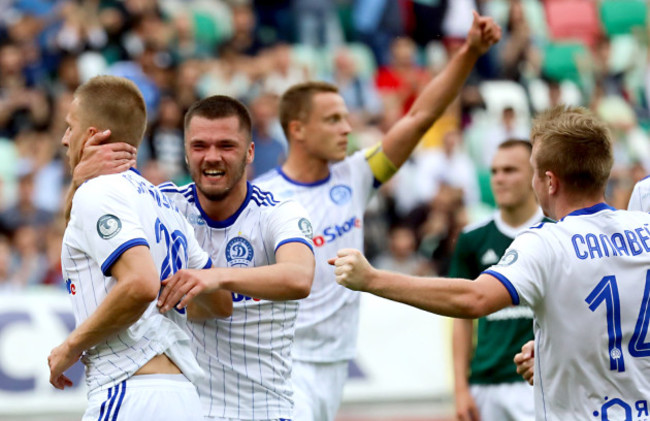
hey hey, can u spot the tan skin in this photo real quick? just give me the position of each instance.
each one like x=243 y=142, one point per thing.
x=511 y=175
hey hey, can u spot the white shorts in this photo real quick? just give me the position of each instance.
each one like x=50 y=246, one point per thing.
x=160 y=397
x=504 y=401
x=317 y=389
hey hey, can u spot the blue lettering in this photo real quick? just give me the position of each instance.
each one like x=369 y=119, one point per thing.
x=574 y=240
x=237 y=297
x=592 y=243
x=604 y=240
x=618 y=402
x=642 y=407
x=635 y=247
x=329 y=235
x=621 y=247
x=644 y=239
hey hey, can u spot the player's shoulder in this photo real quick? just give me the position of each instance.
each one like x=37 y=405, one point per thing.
x=268 y=204
x=183 y=193
x=479 y=226
x=262 y=197
x=269 y=177
x=105 y=186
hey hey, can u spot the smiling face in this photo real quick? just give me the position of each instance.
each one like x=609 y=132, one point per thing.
x=325 y=131
x=218 y=151
x=511 y=176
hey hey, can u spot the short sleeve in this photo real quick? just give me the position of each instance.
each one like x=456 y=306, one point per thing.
x=197 y=257
x=523 y=269
x=290 y=223
x=105 y=219
x=635 y=199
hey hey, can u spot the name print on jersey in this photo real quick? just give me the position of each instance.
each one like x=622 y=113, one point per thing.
x=239 y=252
x=335 y=231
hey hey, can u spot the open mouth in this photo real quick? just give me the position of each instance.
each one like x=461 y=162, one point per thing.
x=214 y=173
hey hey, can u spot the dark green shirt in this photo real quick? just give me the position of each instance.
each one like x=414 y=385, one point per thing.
x=500 y=335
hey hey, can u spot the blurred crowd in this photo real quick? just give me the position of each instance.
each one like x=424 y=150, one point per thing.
x=378 y=52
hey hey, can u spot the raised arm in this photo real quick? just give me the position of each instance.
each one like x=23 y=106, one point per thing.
x=404 y=136
x=445 y=296
x=288 y=279
x=137 y=286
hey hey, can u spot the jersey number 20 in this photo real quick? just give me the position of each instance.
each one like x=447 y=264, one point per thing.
x=176 y=245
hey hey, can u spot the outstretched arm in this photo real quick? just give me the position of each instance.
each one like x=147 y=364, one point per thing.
x=288 y=279
x=448 y=297
x=404 y=136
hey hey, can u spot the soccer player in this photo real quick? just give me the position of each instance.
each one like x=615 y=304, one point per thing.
x=122 y=239
x=490 y=388
x=335 y=191
x=525 y=360
x=586 y=278
x=262 y=252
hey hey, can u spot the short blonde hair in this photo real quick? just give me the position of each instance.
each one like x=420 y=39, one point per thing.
x=576 y=146
x=115 y=103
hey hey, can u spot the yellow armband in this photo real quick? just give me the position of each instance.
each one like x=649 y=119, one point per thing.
x=382 y=168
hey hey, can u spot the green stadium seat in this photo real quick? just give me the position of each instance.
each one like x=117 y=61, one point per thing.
x=621 y=16
x=561 y=61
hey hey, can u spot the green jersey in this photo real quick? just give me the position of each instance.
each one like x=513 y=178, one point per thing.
x=500 y=335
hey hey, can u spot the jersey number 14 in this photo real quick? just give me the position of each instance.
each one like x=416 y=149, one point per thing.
x=607 y=292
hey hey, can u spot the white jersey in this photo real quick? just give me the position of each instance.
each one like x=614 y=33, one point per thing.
x=111 y=214
x=640 y=199
x=587 y=279
x=248 y=355
x=327 y=325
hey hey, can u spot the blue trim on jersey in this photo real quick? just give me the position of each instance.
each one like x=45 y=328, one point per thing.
x=232 y=218
x=110 y=404
x=647 y=176
x=538 y=226
x=295 y=240
x=298 y=183
x=208 y=264
x=101 y=408
x=119 y=402
x=590 y=210
x=514 y=295
x=135 y=171
x=263 y=198
x=110 y=260
x=376 y=183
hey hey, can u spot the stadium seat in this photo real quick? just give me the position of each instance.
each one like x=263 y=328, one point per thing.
x=364 y=58
x=503 y=93
x=561 y=61
x=621 y=16
x=575 y=20
x=311 y=58
x=539 y=95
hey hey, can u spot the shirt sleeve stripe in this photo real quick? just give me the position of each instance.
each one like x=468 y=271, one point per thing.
x=295 y=240
x=208 y=264
x=110 y=260
x=514 y=295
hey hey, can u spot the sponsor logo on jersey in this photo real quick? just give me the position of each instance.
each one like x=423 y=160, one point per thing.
x=241 y=297
x=333 y=232
x=72 y=290
x=341 y=194
x=509 y=258
x=195 y=219
x=306 y=228
x=239 y=252
x=108 y=226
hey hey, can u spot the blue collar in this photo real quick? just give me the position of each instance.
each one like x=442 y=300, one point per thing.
x=298 y=183
x=135 y=171
x=228 y=221
x=590 y=210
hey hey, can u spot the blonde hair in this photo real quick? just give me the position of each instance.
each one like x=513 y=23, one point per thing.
x=576 y=146
x=296 y=102
x=115 y=103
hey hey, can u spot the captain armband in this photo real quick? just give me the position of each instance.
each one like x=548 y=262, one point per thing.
x=382 y=168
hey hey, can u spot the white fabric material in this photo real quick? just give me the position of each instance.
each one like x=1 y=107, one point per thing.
x=327 y=325
x=640 y=199
x=318 y=389
x=587 y=280
x=248 y=355
x=111 y=214
x=504 y=401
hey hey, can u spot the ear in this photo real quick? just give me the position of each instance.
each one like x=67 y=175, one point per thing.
x=250 y=153
x=296 y=130
x=552 y=182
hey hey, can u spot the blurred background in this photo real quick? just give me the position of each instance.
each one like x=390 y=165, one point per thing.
x=379 y=53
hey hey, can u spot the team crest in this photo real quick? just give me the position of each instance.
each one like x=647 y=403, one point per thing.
x=108 y=226
x=509 y=258
x=239 y=252
x=306 y=228
x=341 y=194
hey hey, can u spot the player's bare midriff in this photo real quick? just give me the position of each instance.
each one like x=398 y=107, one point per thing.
x=160 y=364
